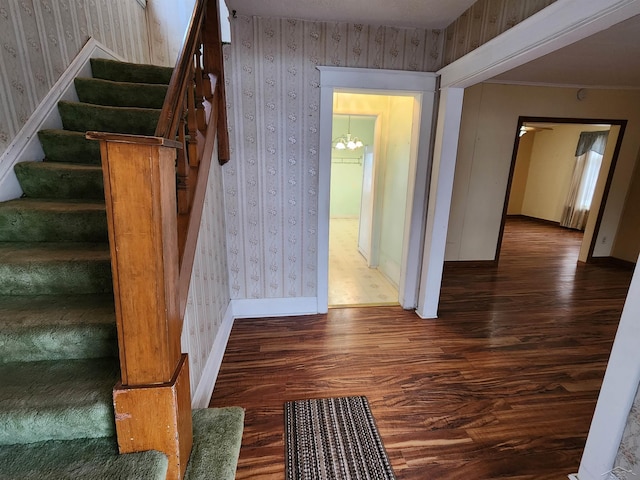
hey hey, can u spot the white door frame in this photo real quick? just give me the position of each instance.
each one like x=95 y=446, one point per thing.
x=383 y=82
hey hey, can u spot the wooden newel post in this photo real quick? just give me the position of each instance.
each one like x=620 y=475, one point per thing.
x=152 y=402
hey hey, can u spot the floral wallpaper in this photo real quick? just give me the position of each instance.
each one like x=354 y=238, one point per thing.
x=209 y=288
x=40 y=38
x=485 y=20
x=627 y=464
x=273 y=98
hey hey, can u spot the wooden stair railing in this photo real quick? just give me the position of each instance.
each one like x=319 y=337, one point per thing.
x=154 y=192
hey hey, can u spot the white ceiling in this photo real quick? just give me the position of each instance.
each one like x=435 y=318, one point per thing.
x=608 y=59
x=429 y=14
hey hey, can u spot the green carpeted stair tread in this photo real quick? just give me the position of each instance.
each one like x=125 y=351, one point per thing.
x=38 y=220
x=130 y=72
x=48 y=268
x=51 y=327
x=69 y=147
x=217 y=436
x=120 y=94
x=83 y=459
x=57 y=400
x=60 y=180
x=83 y=117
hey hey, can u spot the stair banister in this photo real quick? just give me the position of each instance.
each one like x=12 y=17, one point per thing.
x=154 y=192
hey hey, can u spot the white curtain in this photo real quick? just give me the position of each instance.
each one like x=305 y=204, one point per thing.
x=589 y=154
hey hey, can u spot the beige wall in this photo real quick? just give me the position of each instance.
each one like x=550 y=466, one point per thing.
x=488 y=128
x=39 y=40
x=396 y=172
x=627 y=244
x=551 y=169
x=520 y=174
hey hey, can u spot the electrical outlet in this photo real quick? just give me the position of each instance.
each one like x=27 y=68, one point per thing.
x=604 y=240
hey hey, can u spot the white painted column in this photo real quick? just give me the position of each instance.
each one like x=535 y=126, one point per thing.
x=444 y=163
x=617 y=393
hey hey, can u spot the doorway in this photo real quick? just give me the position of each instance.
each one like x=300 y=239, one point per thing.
x=544 y=170
x=372 y=152
x=420 y=88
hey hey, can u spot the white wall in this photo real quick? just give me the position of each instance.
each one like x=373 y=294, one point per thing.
x=168 y=23
x=488 y=129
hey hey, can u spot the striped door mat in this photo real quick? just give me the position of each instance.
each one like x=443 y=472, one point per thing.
x=333 y=438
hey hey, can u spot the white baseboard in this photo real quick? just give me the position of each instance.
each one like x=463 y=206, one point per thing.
x=204 y=390
x=26 y=146
x=274 y=307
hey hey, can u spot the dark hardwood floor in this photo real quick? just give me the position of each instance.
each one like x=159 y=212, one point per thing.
x=501 y=386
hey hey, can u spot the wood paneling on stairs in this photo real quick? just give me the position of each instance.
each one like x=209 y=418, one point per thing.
x=502 y=385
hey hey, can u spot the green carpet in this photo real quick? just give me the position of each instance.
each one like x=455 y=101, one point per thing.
x=217 y=435
x=58 y=341
x=85 y=459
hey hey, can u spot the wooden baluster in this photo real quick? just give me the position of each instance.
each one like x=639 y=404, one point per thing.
x=201 y=83
x=182 y=169
x=192 y=125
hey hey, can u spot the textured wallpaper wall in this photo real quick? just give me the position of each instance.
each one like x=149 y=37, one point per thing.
x=485 y=20
x=273 y=98
x=209 y=290
x=628 y=458
x=40 y=38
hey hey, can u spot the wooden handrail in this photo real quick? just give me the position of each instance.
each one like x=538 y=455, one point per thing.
x=154 y=192
x=173 y=104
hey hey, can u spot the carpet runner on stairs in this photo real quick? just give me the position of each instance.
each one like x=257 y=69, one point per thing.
x=58 y=350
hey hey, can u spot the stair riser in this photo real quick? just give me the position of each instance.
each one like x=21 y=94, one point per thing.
x=90 y=421
x=104 y=92
x=82 y=117
x=72 y=147
x=129 y=72
x=56 y=278
x=42 y=181
x=48 y=343
x=53 y=226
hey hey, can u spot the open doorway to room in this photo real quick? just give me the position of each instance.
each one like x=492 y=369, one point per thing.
x=372 y=152
x=560 y=175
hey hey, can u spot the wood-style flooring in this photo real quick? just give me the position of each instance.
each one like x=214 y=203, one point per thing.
x=501 y=386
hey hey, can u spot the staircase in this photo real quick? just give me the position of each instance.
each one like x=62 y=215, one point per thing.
x=58 y=342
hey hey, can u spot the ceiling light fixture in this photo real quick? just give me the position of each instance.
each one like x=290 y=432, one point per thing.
x=347 y=142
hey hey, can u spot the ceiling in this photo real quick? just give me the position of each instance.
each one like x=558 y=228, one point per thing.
x=429 y=14
x=608 y=59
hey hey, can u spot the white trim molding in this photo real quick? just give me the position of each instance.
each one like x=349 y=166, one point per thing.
x=440 y=194
x=202 y=395
x=421 y=85
x=618 y=391
x=273 y=307
x=26 y=146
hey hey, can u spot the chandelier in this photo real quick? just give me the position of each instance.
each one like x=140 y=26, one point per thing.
x=347 y=141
